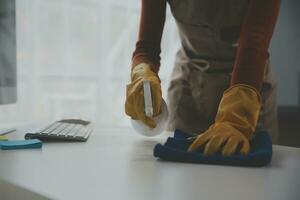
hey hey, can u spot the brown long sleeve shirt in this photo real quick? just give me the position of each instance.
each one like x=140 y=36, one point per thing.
x=254 y=39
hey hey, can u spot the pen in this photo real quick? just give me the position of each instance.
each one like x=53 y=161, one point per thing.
x=6 y=131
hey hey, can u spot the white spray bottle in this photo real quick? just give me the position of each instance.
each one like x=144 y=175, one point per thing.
x=160 y=120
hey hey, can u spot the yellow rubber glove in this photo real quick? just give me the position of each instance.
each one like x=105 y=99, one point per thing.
x=234 y=125
x=134 y=105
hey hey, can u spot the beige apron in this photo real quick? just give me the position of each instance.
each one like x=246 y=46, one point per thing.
x=209 y=30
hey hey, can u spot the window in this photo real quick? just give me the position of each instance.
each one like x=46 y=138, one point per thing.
x=74 y=58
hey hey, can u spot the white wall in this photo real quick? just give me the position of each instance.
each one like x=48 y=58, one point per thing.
x=285 y=53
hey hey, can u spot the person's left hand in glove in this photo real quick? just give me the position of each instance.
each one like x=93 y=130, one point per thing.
x=234 y=125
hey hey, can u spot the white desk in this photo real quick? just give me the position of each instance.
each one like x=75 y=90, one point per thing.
x=118 y=164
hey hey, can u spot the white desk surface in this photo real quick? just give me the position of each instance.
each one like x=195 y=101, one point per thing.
x=118 y=164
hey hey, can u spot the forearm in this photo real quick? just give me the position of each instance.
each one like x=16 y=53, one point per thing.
x=150 y=32
x=254 y=41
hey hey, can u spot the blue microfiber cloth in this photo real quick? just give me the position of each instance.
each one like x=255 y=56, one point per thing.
x=175 y=149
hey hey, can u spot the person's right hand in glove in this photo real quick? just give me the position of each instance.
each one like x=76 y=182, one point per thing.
x=134 y=105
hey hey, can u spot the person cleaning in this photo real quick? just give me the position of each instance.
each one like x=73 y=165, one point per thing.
x=222 y=89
